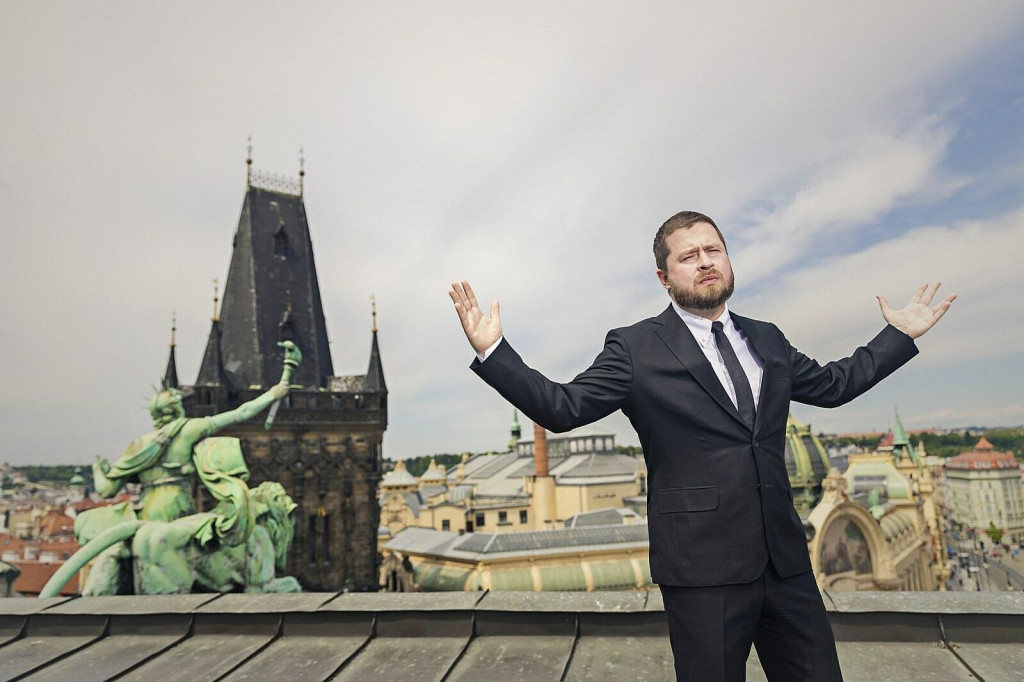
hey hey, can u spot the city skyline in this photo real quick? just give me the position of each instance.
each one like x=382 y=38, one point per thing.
x=533 y=150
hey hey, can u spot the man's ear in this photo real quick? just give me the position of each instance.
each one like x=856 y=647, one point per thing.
x=662 y=277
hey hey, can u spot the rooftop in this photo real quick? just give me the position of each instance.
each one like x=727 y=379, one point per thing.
x=983 y=456
x=472 y=636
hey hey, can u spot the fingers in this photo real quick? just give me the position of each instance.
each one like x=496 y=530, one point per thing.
x=929 y=293
x=460 y=309
x=458 y=294
x=469 y=293
x=463 y=293
x=883 y=303
x=916 y=298
x=940 y=310
x=495 y=311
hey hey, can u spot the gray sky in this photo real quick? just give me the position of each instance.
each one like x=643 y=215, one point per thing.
x=532 y=148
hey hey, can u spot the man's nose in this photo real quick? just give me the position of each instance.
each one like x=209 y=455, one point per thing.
x=703 y=260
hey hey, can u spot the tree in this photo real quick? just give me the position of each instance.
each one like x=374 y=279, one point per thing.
x=994 y=532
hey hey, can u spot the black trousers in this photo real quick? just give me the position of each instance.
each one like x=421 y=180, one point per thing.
x=712 y=628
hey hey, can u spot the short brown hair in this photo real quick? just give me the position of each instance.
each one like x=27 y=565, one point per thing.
x=680 y=221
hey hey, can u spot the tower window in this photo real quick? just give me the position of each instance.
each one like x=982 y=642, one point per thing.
x=327 y=537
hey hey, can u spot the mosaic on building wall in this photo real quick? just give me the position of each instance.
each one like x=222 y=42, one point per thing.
x=844 y=548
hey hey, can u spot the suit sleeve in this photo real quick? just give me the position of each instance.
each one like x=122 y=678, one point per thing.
x=595 y=393
x=839 y=382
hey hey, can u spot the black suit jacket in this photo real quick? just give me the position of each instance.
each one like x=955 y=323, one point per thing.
x=719 y=502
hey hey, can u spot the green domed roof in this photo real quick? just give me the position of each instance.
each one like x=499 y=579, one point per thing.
x=77 y=481
x=806 y=462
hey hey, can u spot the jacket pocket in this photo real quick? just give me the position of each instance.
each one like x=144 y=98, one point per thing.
x=672 y=500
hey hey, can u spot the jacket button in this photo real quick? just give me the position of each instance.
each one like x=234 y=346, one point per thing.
x=755 y=443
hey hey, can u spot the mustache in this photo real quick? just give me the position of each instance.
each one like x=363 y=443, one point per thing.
x=716 y=272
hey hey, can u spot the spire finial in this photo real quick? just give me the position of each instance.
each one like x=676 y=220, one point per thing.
x=216 y=299
x=174 y=326
x=373 y=308
x=302 y=171
x=248 y=163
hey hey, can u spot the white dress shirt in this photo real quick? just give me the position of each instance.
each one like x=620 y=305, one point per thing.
x=752 y=365
x=700 y=327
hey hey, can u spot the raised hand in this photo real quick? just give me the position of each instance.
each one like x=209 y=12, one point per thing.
x=481 y=331
x=917 y=317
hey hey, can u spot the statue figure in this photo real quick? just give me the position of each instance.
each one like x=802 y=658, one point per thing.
x=163 y=462
x=183 y=556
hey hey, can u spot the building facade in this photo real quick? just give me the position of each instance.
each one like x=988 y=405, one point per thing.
x=983 y=488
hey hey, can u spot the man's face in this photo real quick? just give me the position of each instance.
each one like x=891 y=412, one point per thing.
x=699 y=274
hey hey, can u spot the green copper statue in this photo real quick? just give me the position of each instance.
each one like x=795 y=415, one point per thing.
x=178 y=557
x=163 y=462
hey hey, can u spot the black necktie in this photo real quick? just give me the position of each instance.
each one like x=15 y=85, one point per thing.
x=744 y=396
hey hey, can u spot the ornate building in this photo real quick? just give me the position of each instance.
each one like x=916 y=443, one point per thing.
x=325 y=444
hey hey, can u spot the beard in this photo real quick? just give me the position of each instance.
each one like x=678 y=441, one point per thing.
x=708 y=299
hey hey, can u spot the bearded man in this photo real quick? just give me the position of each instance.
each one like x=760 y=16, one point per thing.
x=708 y=393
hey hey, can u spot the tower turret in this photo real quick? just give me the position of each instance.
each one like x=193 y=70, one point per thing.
x=375 y=372
x=171 y=372
x=516 y=432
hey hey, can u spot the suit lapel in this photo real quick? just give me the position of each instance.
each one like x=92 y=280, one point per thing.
x=675 y=334
x=753 y=333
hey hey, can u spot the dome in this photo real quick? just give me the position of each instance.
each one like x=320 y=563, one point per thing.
x=77 y=481
x=893 y=525
x=433 y=474
x=398 y=477
x=806 y=463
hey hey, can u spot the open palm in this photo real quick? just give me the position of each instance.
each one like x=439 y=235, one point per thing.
x=481 y=331
x=917 y=317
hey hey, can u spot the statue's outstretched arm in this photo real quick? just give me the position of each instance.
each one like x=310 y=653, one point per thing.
x=292 y=359
x=104 y=486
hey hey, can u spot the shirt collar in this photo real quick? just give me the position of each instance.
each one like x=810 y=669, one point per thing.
x=699 y=326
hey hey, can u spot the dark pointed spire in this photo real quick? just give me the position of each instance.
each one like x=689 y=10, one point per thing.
x=272 y=267
x=302 y=172
x=375 y=373
x=171 y=373
x=211 y=371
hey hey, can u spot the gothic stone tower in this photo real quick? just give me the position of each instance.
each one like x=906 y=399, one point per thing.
x=325 y=443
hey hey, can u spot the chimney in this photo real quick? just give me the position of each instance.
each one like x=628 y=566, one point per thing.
x=543 y=503
x=540 y=450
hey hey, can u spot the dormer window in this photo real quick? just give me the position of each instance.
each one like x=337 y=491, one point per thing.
x=280 y=240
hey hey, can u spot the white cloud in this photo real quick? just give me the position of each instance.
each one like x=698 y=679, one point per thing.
x=877 y=174
x=831 y=304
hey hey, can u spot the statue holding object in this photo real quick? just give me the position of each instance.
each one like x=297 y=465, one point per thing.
x=170 y=557
x=163 y=462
